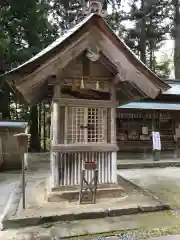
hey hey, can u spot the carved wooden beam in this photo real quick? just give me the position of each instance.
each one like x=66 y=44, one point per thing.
x=85 y=93
x=56 y=63
x=107 y=63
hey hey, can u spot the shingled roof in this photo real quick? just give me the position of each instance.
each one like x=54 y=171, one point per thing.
x=15 y=76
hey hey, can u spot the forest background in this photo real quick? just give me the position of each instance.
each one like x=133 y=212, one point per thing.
x=151 y=28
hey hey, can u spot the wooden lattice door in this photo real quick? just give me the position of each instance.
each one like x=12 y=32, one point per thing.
x=87 y=125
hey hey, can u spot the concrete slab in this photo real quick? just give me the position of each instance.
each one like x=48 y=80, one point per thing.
x=83 y=229
x=163 y=183
x=7 y=183
x=146 y=163
x=39 y=211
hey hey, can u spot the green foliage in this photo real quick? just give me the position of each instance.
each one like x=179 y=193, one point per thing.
x=28 y=26
x=163 y=67
x=25 y=29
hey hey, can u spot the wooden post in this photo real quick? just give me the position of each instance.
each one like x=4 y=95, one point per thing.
x=22 y=139
x=55 y=120
x=88 y=187
x=113 y=133
x=155 y=128
x=113 y=115
x=174 y=135
x=144 y=142
x=54 y=155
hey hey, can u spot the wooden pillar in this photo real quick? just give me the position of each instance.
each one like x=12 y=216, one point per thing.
x=175 y=120
x=144 y=142
x=155 y=128
x=55 y=123
x=26 y=154
x=113 y=134
x=174 y=134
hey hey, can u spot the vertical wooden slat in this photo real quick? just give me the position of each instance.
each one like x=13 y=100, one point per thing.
x=75 y=168
x=74 y=162
x=99 y=168
x=104 y=161
x=86 y=172
x=65 y=168
x=114 y=167
x=44 y=127
x=60 y=169
x=109 y=167
x=66 y=126
x=106 y=166
x=105 y=125
x=92 y=160
x=102 y=167
x=68 y=169
x=82 y=161
x=78 y=167
x=85 y=124
x=62 y=126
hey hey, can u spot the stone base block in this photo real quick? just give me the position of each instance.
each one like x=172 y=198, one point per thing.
x=71 y=194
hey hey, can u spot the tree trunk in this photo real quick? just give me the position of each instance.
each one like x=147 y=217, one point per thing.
x=35 y=145
x=176 y=39
x=4 y=103
x=151 y=55
x=4 y=91
x=142 y=42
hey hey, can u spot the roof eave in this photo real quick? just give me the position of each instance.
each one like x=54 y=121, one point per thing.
x=50 y=49
x=102 y=24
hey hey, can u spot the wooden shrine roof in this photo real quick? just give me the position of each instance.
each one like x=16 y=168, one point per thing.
x=155 y=105
x=138 y=73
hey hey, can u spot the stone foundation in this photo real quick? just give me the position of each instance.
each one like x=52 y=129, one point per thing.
x=71 y=193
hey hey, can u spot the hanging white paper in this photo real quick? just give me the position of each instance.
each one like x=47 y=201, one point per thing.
x=156 y=140
x=177 y=132
x=145 y=130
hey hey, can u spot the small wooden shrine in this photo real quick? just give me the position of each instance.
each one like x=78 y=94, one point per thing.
x=86 y=74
